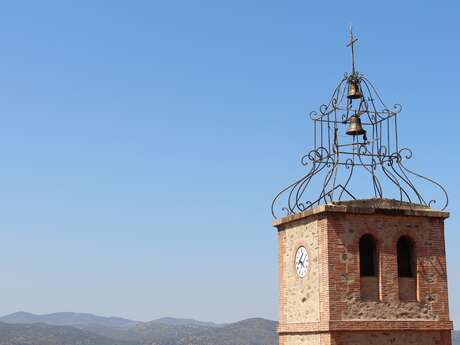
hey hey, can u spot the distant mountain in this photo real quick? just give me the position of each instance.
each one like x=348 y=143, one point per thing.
x=67 y=319
x=87 y=329
x=456 y=338
x=42 y=334
x=184 y=322
x=250 y=332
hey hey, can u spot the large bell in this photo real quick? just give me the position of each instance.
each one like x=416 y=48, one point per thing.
x=354 y=91
x=355 y=127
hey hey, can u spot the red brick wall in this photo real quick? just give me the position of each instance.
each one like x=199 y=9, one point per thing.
x=324 y=287
x=388 y=338
x=344 y=232
x=370 y=289
x=407 y=289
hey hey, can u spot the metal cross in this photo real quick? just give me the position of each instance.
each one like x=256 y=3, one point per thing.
x=351 y=44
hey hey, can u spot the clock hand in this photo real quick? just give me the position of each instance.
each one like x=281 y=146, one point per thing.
x=304 y=263
x=301 y=259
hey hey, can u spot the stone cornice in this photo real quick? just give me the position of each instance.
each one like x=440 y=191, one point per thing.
x=362 y=325
x=369 y=206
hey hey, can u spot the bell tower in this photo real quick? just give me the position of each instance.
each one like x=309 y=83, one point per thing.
x=369 y=270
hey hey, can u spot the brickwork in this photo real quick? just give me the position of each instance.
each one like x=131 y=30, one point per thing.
x=385 y=338
x=324 y=290
x=407 y=289
x=362 y=325
x=333 y=305
x=370 y=289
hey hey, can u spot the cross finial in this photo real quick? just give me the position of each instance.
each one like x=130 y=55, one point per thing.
x=351 y=44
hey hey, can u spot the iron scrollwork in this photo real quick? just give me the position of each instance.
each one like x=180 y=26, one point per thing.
x=336 y=158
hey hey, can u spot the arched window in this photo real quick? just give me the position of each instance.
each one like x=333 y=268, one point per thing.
x=368 y=268
x=367 y=256
x=406 y=257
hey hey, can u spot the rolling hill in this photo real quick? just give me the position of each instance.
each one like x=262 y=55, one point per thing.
x=86 y=329
x=67 y=319
x=42 y=334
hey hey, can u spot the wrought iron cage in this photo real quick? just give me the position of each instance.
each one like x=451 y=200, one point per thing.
x=354 y=131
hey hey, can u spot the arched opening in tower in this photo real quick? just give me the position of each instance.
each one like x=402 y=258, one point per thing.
x=368 y=268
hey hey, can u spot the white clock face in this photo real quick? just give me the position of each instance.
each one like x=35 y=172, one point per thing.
x=301 y=262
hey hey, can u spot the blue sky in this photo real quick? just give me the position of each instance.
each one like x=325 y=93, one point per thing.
x=141 y=142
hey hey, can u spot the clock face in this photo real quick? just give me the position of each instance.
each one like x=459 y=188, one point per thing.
x=301 y=262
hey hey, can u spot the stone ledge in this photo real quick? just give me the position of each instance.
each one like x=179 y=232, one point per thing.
x=360 y=325
x=366 y=206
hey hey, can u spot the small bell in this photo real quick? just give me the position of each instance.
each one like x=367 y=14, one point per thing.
x=355 y=127
x=354 y=91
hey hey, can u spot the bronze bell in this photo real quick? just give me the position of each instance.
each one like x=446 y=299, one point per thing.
x=355 y=127
x=354 y=91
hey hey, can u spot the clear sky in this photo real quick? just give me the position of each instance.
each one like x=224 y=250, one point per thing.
x=141 y=142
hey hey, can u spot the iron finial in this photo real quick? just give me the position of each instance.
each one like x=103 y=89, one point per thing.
x=351 y=44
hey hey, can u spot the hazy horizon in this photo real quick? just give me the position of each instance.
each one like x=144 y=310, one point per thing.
x=142 y=142
x=123 y=317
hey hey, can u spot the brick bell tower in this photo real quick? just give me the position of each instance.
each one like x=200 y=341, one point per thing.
x=366 y=271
